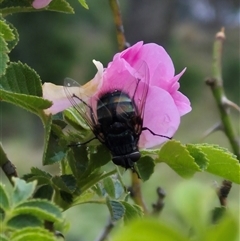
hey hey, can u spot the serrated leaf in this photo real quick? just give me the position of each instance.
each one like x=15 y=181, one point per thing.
x=6 y=31
x=10 y=7
x=42 y=209
x=176 y=155
x=66 y=196
x=119 y=190
x=109 y=186
x=4 y=200
x=22 y=190
x=60 y=6
x=30 y=234
x=41 y=176
x=66 y=183
x=131 y=211
x=148 y=229
x=78 y=161
x=44 y=192
x=4 y=59
x=199 y=156
x=53 y=151
x=145 y=167
x=22 y=86
x=72 y=117
x=100 y=157
x=12 y=42
x=83 y=197
x=83 y=3
x=24 y=221
x=116 y=209
x=221 y=162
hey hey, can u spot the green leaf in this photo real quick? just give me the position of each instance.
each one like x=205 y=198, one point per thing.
x=60 y=6
x=193 y=202
x=77 y=157
x=145 y=167
x=24 y=221
x=199 y=156
x=4 y=200
x=42 y=209
x=83 y=3
x=44 y=192
x=176 y=155
x=148 y=229
x=12 y=42
x=218 y=213
x=6 y=31
x=22 y=86
x=221 y=162
x=10 y=7
x=226 y=229
x=131 y=211
x=4 y=59
x=100 y=157
x=30 y=234
x=53 y=150
x=116 y=209
x=22 y=190
x=66 y=183
x=83 y=197
x=109 y=186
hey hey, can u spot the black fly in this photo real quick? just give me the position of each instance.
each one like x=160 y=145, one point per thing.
x=115 y=118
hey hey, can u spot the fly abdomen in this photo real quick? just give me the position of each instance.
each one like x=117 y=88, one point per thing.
x=122 y=144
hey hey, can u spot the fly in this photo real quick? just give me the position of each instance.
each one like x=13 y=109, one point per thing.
x=115 y=118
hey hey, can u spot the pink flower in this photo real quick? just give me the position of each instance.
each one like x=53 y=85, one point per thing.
x=164 y=104
x=37 y=4
x=57 y=95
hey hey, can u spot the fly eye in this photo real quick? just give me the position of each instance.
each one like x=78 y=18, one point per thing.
x=135 y=156
x=118 y=160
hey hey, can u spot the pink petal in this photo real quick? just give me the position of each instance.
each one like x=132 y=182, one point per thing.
x=57 y=95
x=161 y=116
x=154 y=55
x=182 y=102
x=37 y=4
x=118 y=76
x=169 y=85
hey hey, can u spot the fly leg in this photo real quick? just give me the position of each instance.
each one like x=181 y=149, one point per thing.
x=147 y=129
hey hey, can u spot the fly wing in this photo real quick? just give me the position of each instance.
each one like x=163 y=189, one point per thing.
x=141 y=92
x=137 y=90
x=80 y=102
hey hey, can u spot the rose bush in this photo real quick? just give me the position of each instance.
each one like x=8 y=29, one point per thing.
x=164 y=104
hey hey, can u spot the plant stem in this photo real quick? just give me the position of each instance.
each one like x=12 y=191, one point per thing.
x=122 y=44
x=136 y=192
x=216 y=84
x=106 y=231
x=8 y=168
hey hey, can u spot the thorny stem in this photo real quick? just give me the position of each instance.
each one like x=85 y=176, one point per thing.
x=122 y=44
x=216 y=84
x=136 y=193
x=8 y=168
